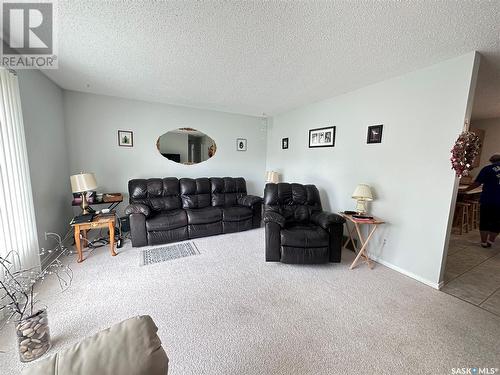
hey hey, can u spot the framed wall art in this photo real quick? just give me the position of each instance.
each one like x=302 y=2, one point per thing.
x=284 y=143
x=374 y=134
x=322 y=137
x=125 y=138
x=241 y=144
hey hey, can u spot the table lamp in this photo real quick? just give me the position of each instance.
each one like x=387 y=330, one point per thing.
x=272 y=177
x=362 y=194
x=82 y=183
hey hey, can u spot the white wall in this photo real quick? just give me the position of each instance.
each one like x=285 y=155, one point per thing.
x=491 y=143
x=43 y=115
x=422 y=113
x=92 y=122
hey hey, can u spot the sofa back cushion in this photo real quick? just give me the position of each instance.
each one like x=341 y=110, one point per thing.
x=161 y=194
x=295 y=202
x=195 y=192
x=227 y=190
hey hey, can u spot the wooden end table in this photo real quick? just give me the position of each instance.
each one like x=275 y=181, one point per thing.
x=356 y=229
x=98 y=222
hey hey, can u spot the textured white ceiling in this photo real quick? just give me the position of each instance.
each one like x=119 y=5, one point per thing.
x=257 y=57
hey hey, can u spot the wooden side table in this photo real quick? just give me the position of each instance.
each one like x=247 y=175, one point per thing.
x=98 y=222
x=355 y=228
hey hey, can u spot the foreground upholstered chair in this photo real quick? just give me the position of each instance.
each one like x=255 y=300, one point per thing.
x=127 y=348
x=297 y=228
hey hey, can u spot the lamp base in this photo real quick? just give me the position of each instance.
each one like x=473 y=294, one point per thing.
x=361 y=207
x=84 y=205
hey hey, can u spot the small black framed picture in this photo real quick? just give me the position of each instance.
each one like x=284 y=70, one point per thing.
x=322 y=137
x=284 y=143
x=374 y=134
x=125 y=138
x=241 y=144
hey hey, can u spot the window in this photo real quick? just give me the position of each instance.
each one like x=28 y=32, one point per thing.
x=17 y=216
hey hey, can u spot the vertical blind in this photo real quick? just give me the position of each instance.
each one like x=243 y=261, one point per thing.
x=17 y=214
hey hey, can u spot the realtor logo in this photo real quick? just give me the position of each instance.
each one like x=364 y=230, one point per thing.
x=28 y=35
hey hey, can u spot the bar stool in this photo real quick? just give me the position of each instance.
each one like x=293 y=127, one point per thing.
x=473 y=214
x=462 y=210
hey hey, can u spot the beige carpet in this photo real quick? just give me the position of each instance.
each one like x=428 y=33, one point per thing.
x=226 y=311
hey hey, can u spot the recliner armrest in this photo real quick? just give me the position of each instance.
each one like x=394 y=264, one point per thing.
x=274 y=217
x=324 y=219
x=138 y=208
x=249 y=200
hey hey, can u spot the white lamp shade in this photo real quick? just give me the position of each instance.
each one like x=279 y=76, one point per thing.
x=272 y=176
x=363 y=192
x=83 y=182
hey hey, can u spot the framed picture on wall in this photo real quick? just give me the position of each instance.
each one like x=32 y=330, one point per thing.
x=374 y=134
x=125 y=138
x=322 y=137
x=241 y=144
x=284 y=143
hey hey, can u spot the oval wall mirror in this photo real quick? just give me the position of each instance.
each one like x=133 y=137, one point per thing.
x=186 y=146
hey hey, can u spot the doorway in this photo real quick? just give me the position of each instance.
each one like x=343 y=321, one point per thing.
x=194 y=147
x=472 y=271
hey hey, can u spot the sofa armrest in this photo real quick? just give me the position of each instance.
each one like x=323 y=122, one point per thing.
x=249 y=200
x=325 y=219
x=274 y=217
x=137 y=208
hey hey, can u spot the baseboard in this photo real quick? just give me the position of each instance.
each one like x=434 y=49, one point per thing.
x=407 y=273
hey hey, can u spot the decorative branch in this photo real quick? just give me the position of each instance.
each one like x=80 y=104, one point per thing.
x=17 y=286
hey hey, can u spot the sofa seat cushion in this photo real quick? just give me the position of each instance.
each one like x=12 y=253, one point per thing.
x=304 y=235
x=205 y=215
x=236 y=213
x=166 y=220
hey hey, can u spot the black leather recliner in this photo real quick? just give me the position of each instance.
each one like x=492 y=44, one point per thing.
x=169 y=210
x=297 y=229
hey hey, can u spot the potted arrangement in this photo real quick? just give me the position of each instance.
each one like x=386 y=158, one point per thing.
x=18 y=299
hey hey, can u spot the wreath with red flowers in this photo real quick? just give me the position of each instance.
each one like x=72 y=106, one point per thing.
x=464 y=152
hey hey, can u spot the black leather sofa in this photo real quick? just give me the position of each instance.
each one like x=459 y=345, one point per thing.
x=297 y=229
x=169 y=210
